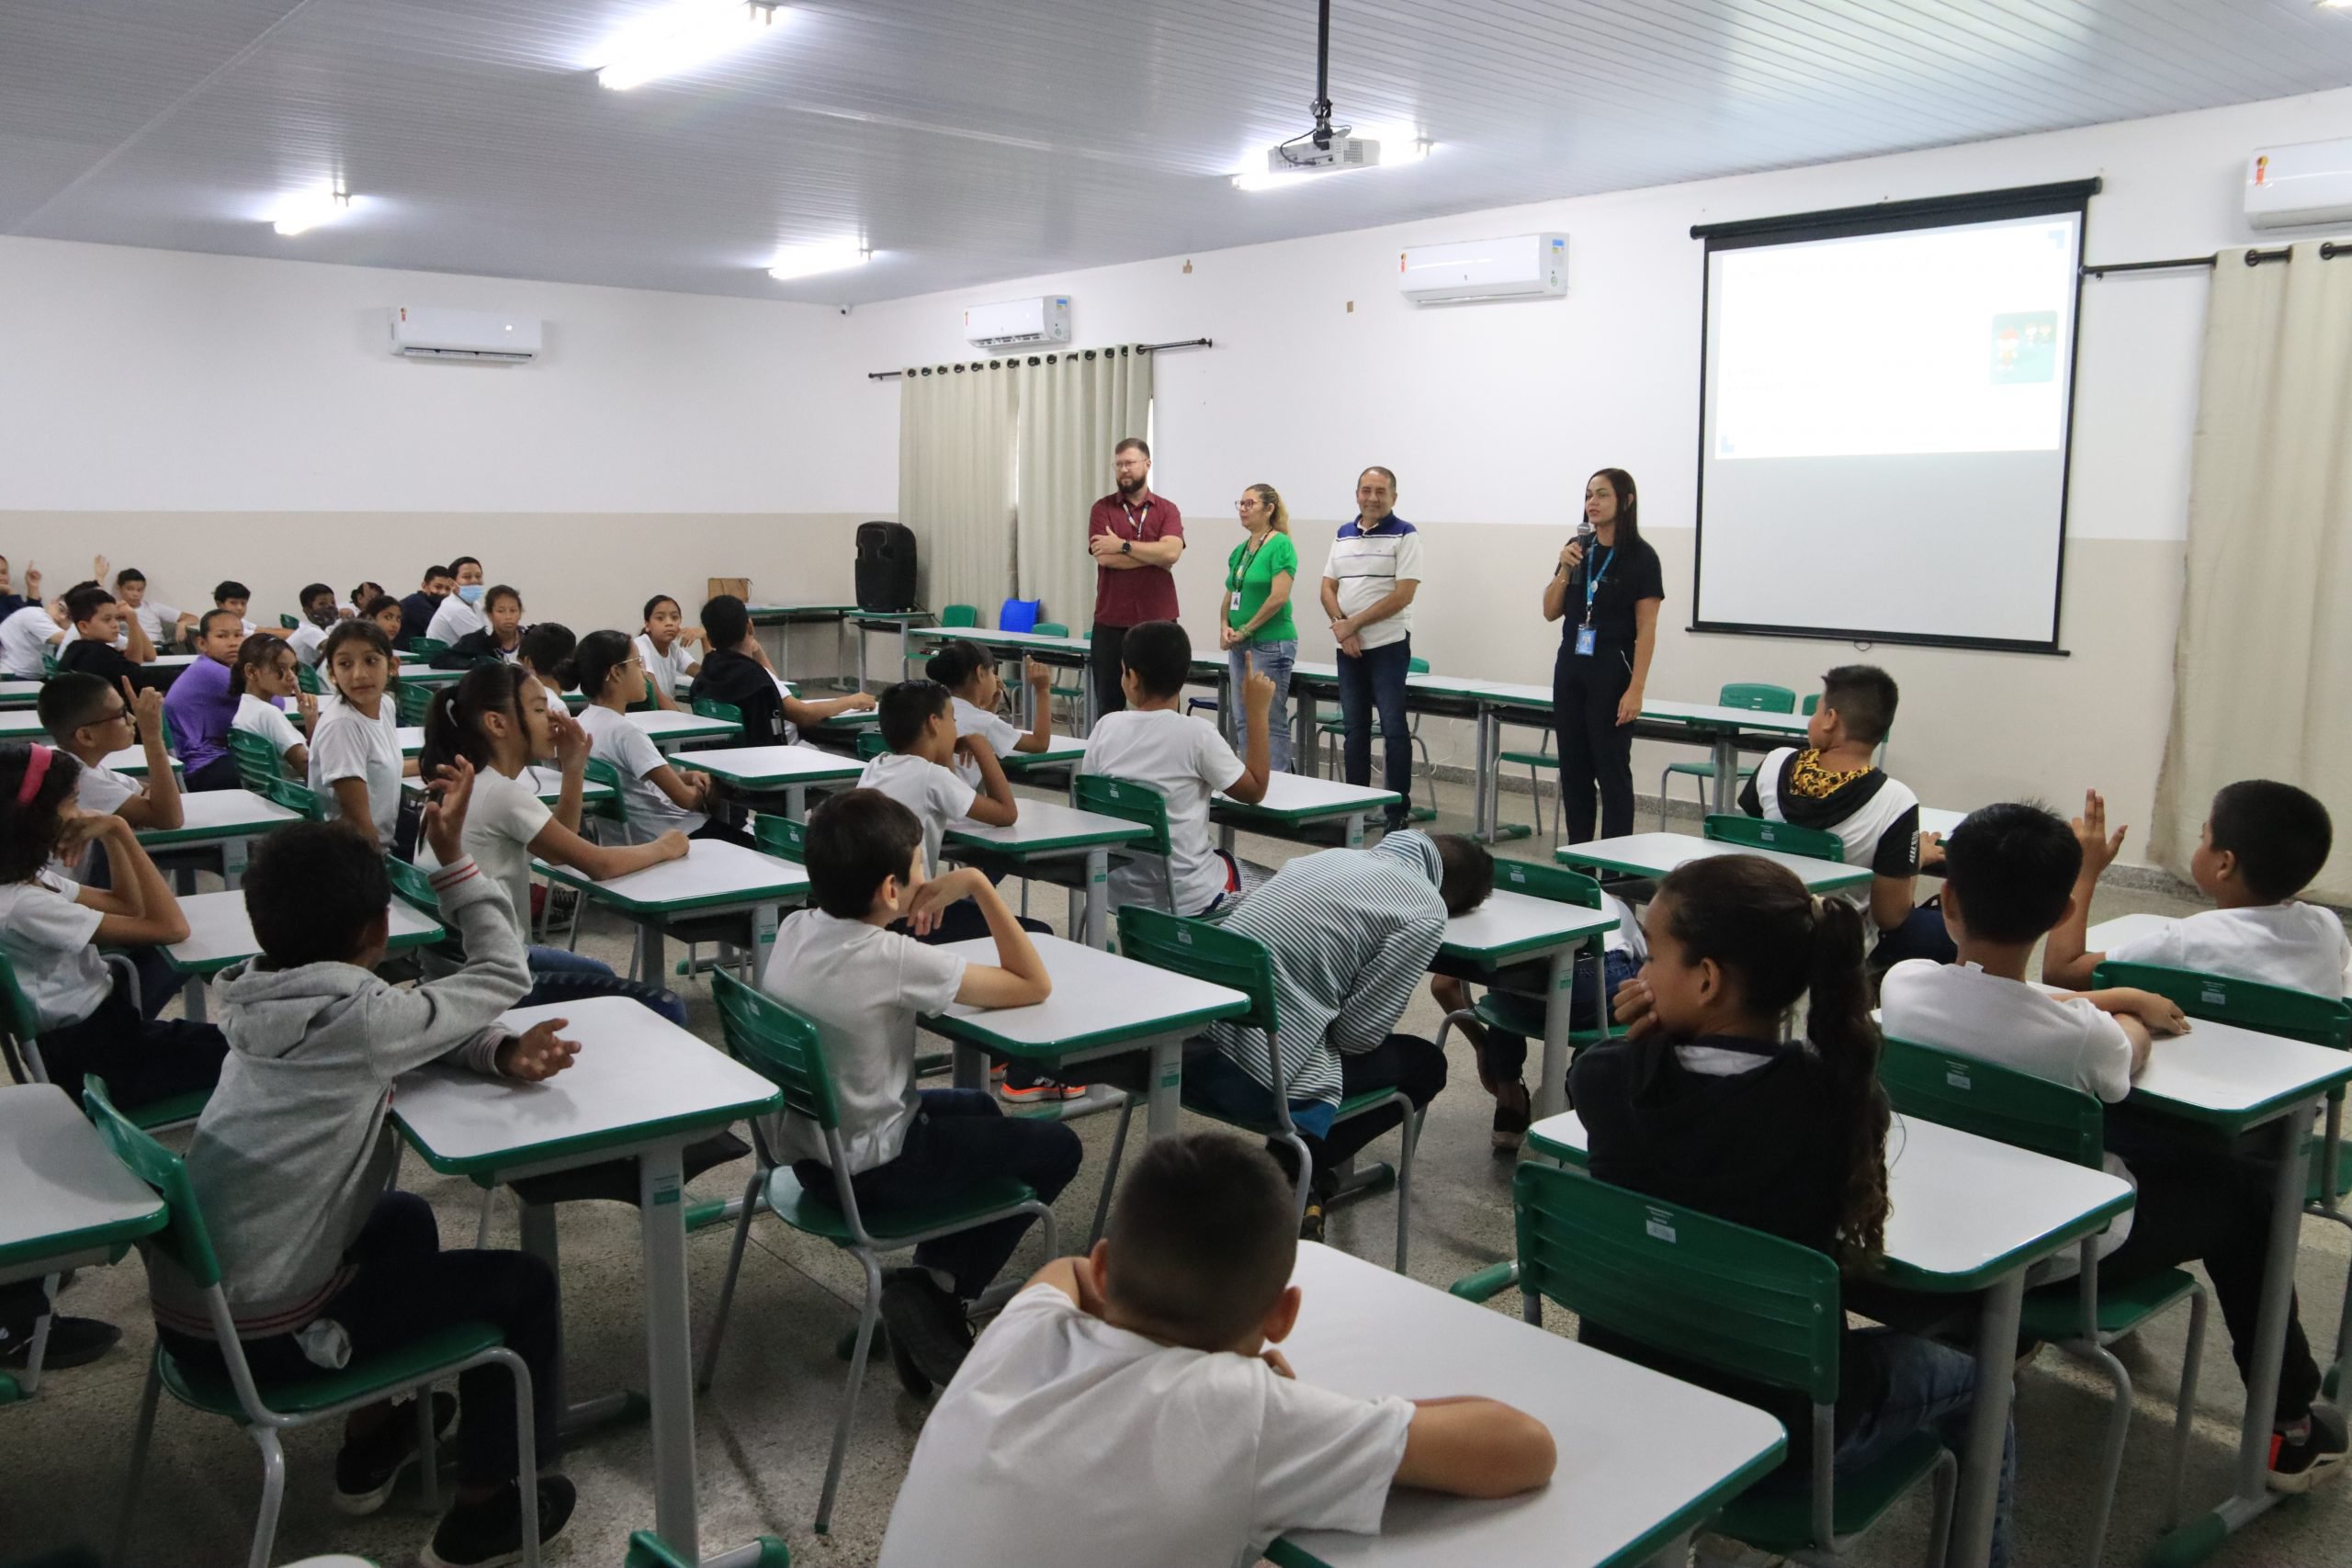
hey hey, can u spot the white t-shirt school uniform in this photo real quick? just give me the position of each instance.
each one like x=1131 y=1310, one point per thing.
x=49 y=940
x=2299 y=946
x=863 y=987
x=455 y=618
x=934 y=794
x=1961 y=1009
x=667 y=670
x=348 y=745
x=613 y=739
x=1060 y=1429
x=1000 y=734
x=158 y=620
x=503 y=819
x=1187 y=761
x=259 y=716
x=306 y=640
x=23 y=637
x=98 y=789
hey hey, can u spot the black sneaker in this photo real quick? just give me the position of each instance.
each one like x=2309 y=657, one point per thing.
x=489 y=1533
x=365 y=1473
x=72 y=1342
x=2298 y=1464
x=1311 y=1227
x=926 y=1324
x=1511 y=1112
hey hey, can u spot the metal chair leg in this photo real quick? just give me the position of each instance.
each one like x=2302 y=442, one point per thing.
x=1306 y=1170
x=1947 y=1485
x=727 y=1290
x=139 y=1439
x=867 y=1314
x=2185 y=1408
x=1412 y=1131
x=273 y=1494
x=1111 y=1171
x=2110 y=1463
x=526 y=1451
x=482 y=1226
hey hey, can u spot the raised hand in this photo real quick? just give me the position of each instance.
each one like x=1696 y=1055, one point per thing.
x=447 y=798
x=2099 y=846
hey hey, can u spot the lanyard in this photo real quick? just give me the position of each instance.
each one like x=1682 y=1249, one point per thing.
x=1592 y=581
x=1135 y=521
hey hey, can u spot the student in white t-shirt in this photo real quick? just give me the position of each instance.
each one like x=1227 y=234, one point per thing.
x=459 y=614
x=657 y=796
x=969 y=672
x=1133 y=1400
x=1155 y=742
x=320 y=614
x=263 y=678
x=499 y=719
x=166 y=628
x=234 y=596
x=666 y=645
x=843 y=964
x=2011 y=874
x=25 y=635
x=2264 y=843
x=90 y=720
x=356 y=761
x=916 y=720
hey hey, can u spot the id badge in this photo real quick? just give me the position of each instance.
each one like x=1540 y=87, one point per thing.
x=1584 y=641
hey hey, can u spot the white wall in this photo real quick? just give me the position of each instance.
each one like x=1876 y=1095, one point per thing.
x=1493 y=415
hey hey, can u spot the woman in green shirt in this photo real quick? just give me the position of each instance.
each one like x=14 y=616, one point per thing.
x=1256 y=629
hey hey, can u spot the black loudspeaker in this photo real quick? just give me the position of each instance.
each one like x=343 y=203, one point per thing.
x=886 y=567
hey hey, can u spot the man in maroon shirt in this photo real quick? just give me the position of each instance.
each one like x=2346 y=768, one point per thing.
x=1134 y=536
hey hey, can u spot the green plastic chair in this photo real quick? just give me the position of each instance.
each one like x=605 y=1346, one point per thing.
x=48 y=661
x=1756 y=697
x=711 y=707
x=412 y=700
x=647 y=1550
x=871 y=745
x=781 y=837
x=288 y=623
x=789 y=1052
x=428 y=646
x=1731 y=827
x=257 y=760
x=1131 y=802
x=1073 y=695
x=960 y=616
x=1050 y=629
x=1335 y=730
x=1535 y=762
x=265 y=1410
x=20 y=1042
x=306 y=678
x=2079 y=1315
x=1738 y=1301
x=1239 y=961
x=1520 y=1012
x=296 y=798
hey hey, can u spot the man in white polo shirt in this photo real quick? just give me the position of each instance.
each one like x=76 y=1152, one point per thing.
x=1368 y=586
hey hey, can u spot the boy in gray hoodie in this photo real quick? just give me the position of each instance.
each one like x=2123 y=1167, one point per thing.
x=292 y=1162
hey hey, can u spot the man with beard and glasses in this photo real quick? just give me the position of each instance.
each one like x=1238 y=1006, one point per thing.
x=1135 y=538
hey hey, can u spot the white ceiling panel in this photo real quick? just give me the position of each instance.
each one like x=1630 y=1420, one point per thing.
x=973 y=140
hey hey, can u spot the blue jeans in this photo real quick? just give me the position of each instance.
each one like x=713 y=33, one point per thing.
x=1376 y=679
x=1276 y=660
x=1505 y=1057
x=958 y=1139
x=560 y=975
x=1922 y=1385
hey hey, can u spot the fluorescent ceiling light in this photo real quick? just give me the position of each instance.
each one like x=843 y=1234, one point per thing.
x=312 y=208
x=683 y=36
x=1385 y=152
x=807 y=261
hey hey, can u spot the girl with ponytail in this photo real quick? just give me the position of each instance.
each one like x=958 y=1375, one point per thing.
x=502 y=720
x=656 y=798
x=356 y=765
x=1705 y=1104
x=969 y=672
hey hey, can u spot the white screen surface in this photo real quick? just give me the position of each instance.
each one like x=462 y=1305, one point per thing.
x=1883 y=450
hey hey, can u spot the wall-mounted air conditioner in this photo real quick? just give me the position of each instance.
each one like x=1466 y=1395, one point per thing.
x=2293 y=187
x=1017 y=323
x=1519 y=267
x=489 y=337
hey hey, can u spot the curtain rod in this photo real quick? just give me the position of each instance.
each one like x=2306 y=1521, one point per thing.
x=1043 y=358
x=2328 y=250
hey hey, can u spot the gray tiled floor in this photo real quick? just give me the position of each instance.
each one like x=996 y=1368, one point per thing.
x=763 y=1431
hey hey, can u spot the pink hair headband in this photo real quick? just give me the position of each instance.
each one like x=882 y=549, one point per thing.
x=36 y=770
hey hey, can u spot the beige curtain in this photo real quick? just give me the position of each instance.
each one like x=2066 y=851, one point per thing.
x=956 y=428
x=2262 y=670
x=1072 y=412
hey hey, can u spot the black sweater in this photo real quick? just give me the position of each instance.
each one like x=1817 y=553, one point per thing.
x=738 y=679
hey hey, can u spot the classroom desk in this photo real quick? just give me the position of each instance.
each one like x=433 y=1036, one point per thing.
x=1971 y=1216
x=901 y=621
x=1296 y=801
x=426 y=675
x=2229 y=1081
x=220 y=934
x=412 y=740
x=641 y=1089
x=1102 y=1005
x=17 y=694
x=768 y=768
x=65 y=1201
x=1061 y=652
x=1654 y=854
x=223 y=820
x=1937 y=820
x=1644 y=1460
x=1063 y=752
x=546 y=783
x=2109 y=935
x=790 y=616
x=1511 y=929
x=22 y=724
x=715 y=878
x=673 y=726
x=132 y=763
x=1049 y=831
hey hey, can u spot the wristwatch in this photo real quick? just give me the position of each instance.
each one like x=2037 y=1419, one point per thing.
x=1126 y=546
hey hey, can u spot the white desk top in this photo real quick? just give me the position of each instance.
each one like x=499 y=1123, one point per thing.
x=1654 y=854
x=1515 y=925
x=772 y=766
x=1045 y=824
x=220 y=933
x=62 y=1190
x=1063 y=750
x=987 y=639
x=132 y=763
x=665 y=724
x=412 y=740
x=1098 y=998
x=637 y=1077
x=22 y=725
x=1638 y=1449
x=1936 y=819
x=2219 y=1072
x=1301 y=796
x=1965 y=1209
x=207 y=815
x=173 y=660
x=713 y=875
x=1716 y=715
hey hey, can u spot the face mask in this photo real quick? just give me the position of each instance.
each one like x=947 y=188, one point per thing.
x=325 y=619
x=470 y=593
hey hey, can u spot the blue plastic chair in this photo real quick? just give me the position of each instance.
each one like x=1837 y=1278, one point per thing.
x=1020 y=615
